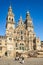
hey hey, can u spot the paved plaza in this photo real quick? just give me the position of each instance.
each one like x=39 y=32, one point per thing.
x=29 y=61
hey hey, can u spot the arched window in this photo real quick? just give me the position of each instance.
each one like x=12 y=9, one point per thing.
x=21 y=32
x=21 y=37
x=12 y=19
x=9 y=18
x=10 y=39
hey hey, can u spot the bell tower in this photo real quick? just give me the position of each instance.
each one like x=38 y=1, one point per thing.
x=10 y=26
x=29 y=27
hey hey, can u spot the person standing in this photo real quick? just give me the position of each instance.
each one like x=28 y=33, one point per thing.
x=22 y=60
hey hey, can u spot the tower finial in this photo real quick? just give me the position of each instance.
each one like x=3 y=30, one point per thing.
x=10 y=5
x=27 y=13
x=20 y=17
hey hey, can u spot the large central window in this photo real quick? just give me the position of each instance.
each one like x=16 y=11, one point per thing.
x=21 y=46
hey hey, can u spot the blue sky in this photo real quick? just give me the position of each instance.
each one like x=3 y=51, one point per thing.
x=35 y=7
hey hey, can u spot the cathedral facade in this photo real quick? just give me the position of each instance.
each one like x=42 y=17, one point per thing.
x=20 y=38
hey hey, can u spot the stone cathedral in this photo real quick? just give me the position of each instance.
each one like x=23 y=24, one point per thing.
x=20 y=38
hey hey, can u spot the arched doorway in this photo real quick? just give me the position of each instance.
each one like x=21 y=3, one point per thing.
x=6 y=53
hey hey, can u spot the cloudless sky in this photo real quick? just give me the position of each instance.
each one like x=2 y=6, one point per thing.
x=35 y=7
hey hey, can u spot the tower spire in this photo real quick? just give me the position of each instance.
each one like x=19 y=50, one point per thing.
x=28 y=22
x=21 y=18
x=20 y=21
x=10 y=8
